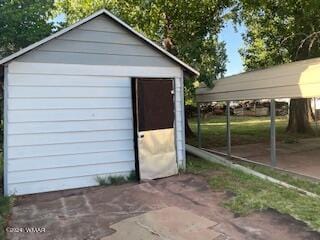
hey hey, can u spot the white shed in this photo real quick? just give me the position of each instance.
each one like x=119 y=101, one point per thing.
x=95 y=99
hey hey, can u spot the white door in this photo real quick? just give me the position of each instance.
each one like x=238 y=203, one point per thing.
x=155 y=128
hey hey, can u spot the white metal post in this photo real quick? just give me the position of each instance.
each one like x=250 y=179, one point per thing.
x=273 y=153
x=315 y=116
x=228 y=130
x=199 y=125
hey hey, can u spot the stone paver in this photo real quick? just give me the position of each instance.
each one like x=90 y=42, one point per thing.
x=165 y=224
x=92 y=213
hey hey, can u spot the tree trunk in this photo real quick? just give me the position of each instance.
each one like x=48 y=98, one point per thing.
x=168 y=44
x=188 y=130
x=301 y=113
x=300 y=116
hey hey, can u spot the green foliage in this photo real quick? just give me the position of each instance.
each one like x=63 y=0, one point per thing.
x=255 y=194
x=102 y=181
x=5 y=206
x=111 y=180
x=132 y=176
x=23 y=22
x=279 y=31
x=116 y=180
x=187 y=29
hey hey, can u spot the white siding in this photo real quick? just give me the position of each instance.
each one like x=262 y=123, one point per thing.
x=100 y=41
x=67 y=127
x=68 y=124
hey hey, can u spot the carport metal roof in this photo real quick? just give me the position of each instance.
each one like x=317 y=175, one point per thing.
x=299 y=79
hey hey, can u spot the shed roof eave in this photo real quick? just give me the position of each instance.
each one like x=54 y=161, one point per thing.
x=29 y=48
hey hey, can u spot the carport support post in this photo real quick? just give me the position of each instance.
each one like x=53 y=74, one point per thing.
x=228 y=130
x=315 y=116
x=199 y=125
x=273 y=133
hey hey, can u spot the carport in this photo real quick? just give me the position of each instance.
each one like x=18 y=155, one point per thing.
x=292 y=81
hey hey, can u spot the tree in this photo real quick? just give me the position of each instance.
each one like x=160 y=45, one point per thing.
x=186 y=28
x=23 y=22
x=280 y=32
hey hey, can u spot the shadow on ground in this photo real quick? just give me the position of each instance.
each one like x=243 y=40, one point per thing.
x=301 y=157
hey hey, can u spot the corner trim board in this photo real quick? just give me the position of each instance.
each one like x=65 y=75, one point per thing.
x=5 y=132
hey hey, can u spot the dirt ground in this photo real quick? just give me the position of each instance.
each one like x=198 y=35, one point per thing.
x=89 y=213
x=302 y=157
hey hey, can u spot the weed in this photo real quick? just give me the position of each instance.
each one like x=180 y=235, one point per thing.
x=6 y=204
x=103 y=181
x=132 y=177
x=116 y=180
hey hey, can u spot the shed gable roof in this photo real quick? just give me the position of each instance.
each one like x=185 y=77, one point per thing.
x=118 y=21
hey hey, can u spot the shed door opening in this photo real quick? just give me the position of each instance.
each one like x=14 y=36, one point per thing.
x=154 y=112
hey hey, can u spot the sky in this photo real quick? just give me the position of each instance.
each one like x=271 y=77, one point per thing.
x=233 y=42
x=58 y=19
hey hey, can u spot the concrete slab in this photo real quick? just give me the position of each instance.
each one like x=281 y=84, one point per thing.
x=168 y=223
x=91 y=213
x=302 y=157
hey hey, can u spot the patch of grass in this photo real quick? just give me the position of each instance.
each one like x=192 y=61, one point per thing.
x=196 y=165
x=132 y=177
x=5 y=204
x=255 y=194
x=102 y=181
x=115 y=180
x=290 y=140
x=245 y=130
x=311 y=186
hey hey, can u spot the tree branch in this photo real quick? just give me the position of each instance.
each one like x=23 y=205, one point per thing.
x=313 y=36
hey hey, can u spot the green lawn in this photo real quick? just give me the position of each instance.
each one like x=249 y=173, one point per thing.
x=5 y=205
x=311 y=186
x=245 y=130
x=255 y=194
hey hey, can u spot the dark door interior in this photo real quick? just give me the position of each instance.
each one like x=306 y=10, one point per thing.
x=155 y=104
